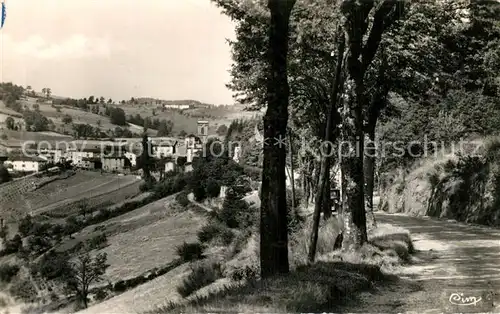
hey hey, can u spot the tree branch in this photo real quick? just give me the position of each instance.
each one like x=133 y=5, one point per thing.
x=386 y=15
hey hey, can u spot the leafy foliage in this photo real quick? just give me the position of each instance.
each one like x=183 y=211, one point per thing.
x=7 y=272
x=190 y=251
x=85 y=271
x=117 y=116
x=201 y=275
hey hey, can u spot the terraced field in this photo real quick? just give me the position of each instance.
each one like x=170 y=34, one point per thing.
x=83 y=185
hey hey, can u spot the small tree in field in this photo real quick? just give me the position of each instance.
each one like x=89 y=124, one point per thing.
x=67 y=119
x=84 y=208
x=83 y=272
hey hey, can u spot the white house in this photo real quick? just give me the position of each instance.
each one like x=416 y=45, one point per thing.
x=77 y=156
x=51 y=155
x=132 y=157
x=193 y=145
x=179 y=107
x=169 y=166
x=164 y=149
x=25 y=163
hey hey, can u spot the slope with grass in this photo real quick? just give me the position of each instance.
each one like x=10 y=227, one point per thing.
x=78 y=116
x=94 y=186
x=35 y=136
x=144 y=238
x=186 y=120
x=324 y=285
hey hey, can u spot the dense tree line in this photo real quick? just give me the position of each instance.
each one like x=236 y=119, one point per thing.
x=344 y=66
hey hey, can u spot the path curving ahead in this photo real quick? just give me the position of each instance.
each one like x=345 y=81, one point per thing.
x=451 y=258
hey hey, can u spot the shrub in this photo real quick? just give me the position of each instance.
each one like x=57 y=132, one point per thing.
x=180 y=182
x=190 y=251
x=245 y=273
x=213 y=188
x=120 y=286
x=146 y=186
x=14 y=245
x=25 y=226
x=7 y=272
x=72 y=225
x=52 y=265
x=227 y=236
x=24 y=290
x=182 y=199
x=209 y=232
x=201 y=275
x=98 y=241
x=235 y=212
x=199 y=192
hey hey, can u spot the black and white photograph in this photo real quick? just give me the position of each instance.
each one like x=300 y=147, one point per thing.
x=249 y=156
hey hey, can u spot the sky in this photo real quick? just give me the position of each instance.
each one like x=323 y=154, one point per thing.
x=168 y=49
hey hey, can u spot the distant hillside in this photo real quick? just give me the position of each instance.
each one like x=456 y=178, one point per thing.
x=82 y=112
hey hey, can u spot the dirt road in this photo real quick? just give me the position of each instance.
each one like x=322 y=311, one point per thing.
x=451 y=258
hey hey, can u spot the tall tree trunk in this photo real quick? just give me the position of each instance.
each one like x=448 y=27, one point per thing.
x=326 y=204
x=273 y=216
x=353 y=209
x=356 y=19
x=369 y=173
x=324 y=172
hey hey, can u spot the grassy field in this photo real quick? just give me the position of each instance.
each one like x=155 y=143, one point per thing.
x=79 y=116
x=146 y=297
x=183 y=121
x=187 y=120
x=327 y=285
x=143 y=238
x=91 y=185
x=35 y=136
x=8 y=111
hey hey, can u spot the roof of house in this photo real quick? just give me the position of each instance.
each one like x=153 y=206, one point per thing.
x=91 y=159
x=26 y=158
x=114 y=157
x=90 y=150
x=166 y=143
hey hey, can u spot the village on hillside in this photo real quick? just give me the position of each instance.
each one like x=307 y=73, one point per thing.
x=119 y=155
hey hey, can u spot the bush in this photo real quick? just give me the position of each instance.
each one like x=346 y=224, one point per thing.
x=213 y=188
x=25 y=226
x=120 y=286
x=24 y=290
x=102 y=294
x=146 y=186
x=7 y=272
x=227 y=236
x=235 y=212
x=182 y=199
x=52 y=265
x=97 y=242
x=180 y=182
x=190 y=251
x=209 y=232
x=199 y=193
x=245 y=273
x=13 y=246
x=201 y=275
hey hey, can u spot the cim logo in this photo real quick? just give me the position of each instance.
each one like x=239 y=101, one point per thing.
x=469 y=301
